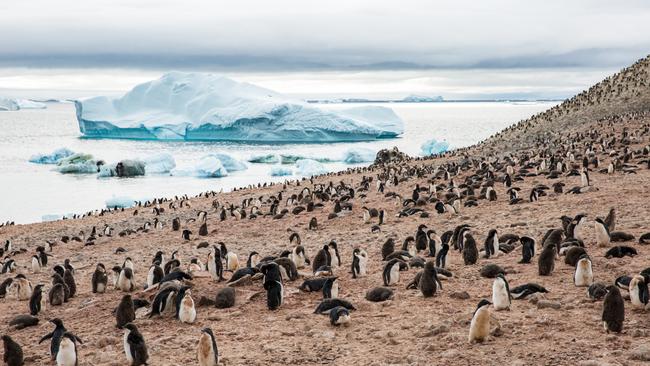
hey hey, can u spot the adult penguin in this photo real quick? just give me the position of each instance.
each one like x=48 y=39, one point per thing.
x=56 y=335
x=207 y=353
x=441 y=256
x=501 y=298
x=434 y=243
x=215 y=267
x=492 y=244
x=135 y=348
x=67 y=354
x=36 y=300
x=479 y=327
x=638 y=290
x=13 y=353
x=421 y=240
x=359 y=263
x=335 y=257
x=391 y=272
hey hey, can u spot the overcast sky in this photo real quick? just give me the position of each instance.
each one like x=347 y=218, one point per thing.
x=334 y=36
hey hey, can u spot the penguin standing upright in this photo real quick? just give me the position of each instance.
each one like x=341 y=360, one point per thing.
x=527 y=249
x=479 y=328
x=429 y=282
x=387 y=248
x=13 y=353
x=546 y=260
x=207 y=353
x=273 y=285
x=359 y=263
x=56 y=335
x=298 y=256
x=441 y=256
x=186 y=310
x=36 y=301
x=391 y=272
x=434 y=242
x=583 y=275
x=99 y=279
x=125 y=312
x=134 y=347
x=155 y=274
x=68 y=278
x=126 y=280
x=421 y=239
x=470 y=251
x=67 y=354
x=335 y=258
x=331 y=288
x=613 y=310
x=492 y=244
x=602 y=233
x=36 y=264
x=501 y=298
x=215 y=267
x=321 y=259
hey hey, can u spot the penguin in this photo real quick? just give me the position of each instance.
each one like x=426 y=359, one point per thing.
x=391 y=272
x=186 y=234
x=322 y=258
x=56 y=335
x=56 y=295
x=99 y=279
x=613 y=310
x=388 y=248
x=22 y=286
x=207 y=353
x=155 y=274
x=186 y=309
x=116 y=270
x=215 y=267
x=492 y=244
x=479 y=327
x=313 y=224
x=134 y=347
x=13 y=353
x=470 y=252
x=195 y=266
x=523 y=291
x=298 y=256
x=67 y=353
x=328 y=305
x=620 y=252
x=128 y=263
x=379 y=294
x=527 y=249
x=421 y=239
x=9 y=266
x=434 y=241
x=429 y=284
x=331 y=288
x=125 y=312
x=597 y=291
x=158 y=257
x=501 y=298
x=638 y=290
x=253 y=259
x=441 y=256
x=583 y=275
x=126 y=280
x=546 y=261
x=36 y=300
x=176 y=224
x=335 y=258
x=68 y=278
x=273 y=285
x=339 y=316
x=602 y=234
x=36 y=264
x=359 y=263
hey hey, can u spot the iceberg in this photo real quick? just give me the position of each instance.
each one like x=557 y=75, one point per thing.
x=9 y=104
x=280 y=171
x=264 y=159
x=120 y=202
x=78 y=164
x=421 y=99
x=159 y=163
x=208 y=167
x=231 y=164
x=52 y=158
x=358 y=155
x=196 y=106
x=310 y=167
x=433 y=146
x=124 y=168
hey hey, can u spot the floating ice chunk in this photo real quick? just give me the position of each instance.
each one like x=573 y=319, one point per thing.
x=30 y=104
x=309 y=167
x=358 y=155
x=292 y=159
x=264 y=159
x=7 y=104
x=120 y=202
x=78 y=163
x=208 y=167
x=280 y=171
x=159 y=163
x=195 y=106
x=231 y=164
x=433 y=146
x=52 y=158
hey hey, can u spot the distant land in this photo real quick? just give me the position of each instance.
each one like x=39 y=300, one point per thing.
x=423 y=99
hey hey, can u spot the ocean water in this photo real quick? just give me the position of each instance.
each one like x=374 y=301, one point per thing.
x=31 y=192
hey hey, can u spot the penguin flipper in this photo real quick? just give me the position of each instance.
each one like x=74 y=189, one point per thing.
x=46 y=337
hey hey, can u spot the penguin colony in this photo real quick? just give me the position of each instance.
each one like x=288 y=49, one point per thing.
x=403 y=231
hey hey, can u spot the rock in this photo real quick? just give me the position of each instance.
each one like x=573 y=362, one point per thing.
x=459 y=295
x=641 y=353
x=225 y=298
x=387 y=156
x=546 y=304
